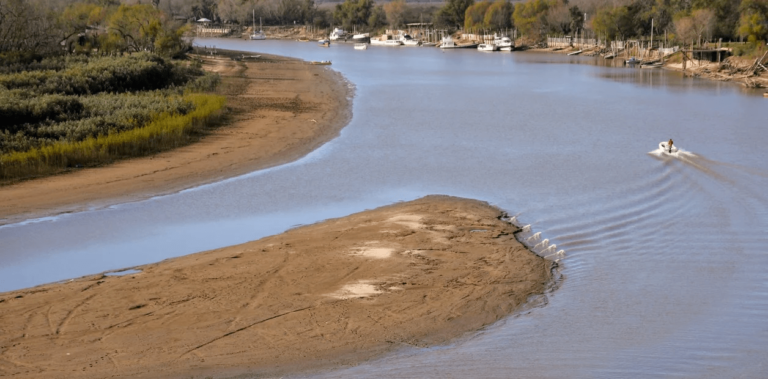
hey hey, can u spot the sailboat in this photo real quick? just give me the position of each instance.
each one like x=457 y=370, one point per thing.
x=260 y=34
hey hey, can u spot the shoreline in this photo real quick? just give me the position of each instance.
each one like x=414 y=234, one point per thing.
x=709 y=70
x=318 y=297
x=267 y=127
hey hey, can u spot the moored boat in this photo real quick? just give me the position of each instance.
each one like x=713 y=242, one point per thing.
x=337 y=34
x=486 y=47
x=257 y=36
x=407 y=40
x=386 y=40
x=503 y=43
x=361 y=46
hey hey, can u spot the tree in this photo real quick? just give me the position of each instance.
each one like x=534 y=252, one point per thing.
x=577 y=18
x=143 y=28
x=559 y=19
x=530 y=17
x=453 y=12
x=26 y=28
x=353 y=12
x=753 y=23
x=613 y=23
x=499 y=15
x=395 y=10
x=474 y=16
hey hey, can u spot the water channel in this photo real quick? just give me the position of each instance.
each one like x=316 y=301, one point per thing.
x=666 y=258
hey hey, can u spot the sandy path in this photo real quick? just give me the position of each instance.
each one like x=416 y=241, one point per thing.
x=334 y=293
x=281 y=110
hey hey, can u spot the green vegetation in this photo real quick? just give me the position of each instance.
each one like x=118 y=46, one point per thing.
x=74 y=110
x=100 y=84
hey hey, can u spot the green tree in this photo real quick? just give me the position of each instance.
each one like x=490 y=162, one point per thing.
x=530 y=17
x=474 y=16
x=753 y=23
x=453 y=13
x=143 y=27
x=353 y=12
x=499 y=15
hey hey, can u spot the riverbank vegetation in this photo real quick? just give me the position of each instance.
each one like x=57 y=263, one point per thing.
x=82 y=99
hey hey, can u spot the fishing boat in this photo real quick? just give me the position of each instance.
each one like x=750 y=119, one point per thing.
x=632 y=60
x=361 y=46
x=257 y=36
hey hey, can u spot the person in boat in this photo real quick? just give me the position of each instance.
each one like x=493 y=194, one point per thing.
x=669 y=145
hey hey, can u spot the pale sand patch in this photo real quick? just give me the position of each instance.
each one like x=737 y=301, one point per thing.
x=409 y=220
x=355 y=290
x=373 y=252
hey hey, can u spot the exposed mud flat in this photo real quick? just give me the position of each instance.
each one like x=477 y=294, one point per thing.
x=335 y=293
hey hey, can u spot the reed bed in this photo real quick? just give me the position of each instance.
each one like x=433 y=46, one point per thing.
x=78 y=111
x=165 y=131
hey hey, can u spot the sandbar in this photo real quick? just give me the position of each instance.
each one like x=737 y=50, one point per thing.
x=413 y=274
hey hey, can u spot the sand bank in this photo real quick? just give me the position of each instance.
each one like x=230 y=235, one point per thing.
x=280 y=109
x=335 y=293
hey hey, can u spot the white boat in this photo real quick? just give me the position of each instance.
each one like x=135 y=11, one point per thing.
x=361 y=36
x=337 y=34
x=486 y=47
x=664 y=148
x=407 y=40
x=448 y=43
x=385 y=40
x=503 y=43
x=257 y=36
x=361 y=46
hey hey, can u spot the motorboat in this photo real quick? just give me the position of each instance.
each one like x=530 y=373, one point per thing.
x=337 y=34
x=632 y=60
x=503 y=43
x=407 y=40
x=361 y=46
x=257 y=36
x=449 y=43
x=324 y=43
x=665 y=148
x=486 y=47
x=361 y=36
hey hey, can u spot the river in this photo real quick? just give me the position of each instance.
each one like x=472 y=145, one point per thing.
x=665 y=265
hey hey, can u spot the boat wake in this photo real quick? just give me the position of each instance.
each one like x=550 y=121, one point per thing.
x=676 y=152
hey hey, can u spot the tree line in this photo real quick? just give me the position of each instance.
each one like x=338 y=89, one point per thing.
x=36 y=27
